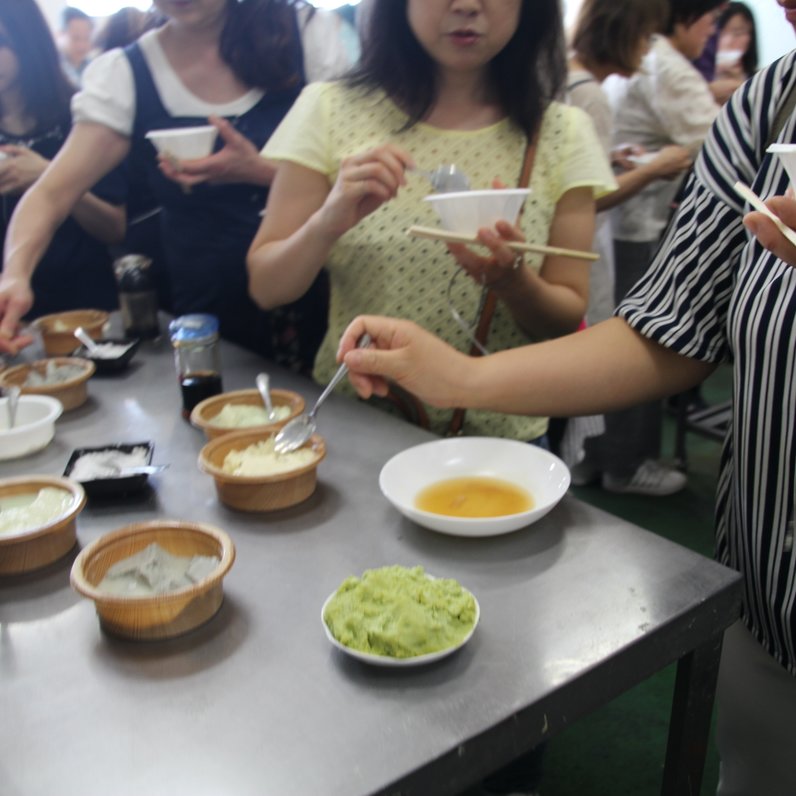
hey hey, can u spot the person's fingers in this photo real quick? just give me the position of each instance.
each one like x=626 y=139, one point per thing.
x=225 y=129
x=784 y=208
x=766 y=231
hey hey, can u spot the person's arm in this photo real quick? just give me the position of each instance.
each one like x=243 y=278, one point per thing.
x=606 y=367
x=102 y=220
x=669 y=163
x=553 y=301
x=23 y=167
x=305 y=217
x=90 y=151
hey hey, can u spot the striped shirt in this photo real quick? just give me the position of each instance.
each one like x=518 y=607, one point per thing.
x=715 y=294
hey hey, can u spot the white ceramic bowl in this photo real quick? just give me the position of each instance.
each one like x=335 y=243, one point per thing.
x=184 y=143
x=787 y=154
x=537 y=471
x=468 y=211
x=34 y=427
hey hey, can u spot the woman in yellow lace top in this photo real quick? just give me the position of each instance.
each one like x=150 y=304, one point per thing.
x=440 y=81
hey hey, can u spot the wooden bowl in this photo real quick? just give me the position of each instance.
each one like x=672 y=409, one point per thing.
x=262 y=492
x=204 y=412
x=25 y=551
x=57 y=330
x=71 y=393
x=161 y=615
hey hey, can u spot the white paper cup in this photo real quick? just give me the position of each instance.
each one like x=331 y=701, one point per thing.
x=468 y=211
x=184 y=143
x=787 y=154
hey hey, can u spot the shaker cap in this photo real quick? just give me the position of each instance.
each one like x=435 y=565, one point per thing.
x=193 y=329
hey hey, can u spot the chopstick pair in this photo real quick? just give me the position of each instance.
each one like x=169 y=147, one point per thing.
x=433 y=233
x=745 y=192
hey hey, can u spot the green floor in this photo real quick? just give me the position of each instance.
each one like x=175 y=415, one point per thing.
x=619 y=750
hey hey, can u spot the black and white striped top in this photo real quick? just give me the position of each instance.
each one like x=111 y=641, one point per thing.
x=713 y=293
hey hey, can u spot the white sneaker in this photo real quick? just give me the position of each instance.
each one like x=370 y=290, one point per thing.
x=652 y=478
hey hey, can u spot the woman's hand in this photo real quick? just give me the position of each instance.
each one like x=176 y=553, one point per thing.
x=20 y=169
x=765 y=230
x=622 y=155
x=238 y=161
x=403 y=353
x=498 y=270
x=364 y=183
x=16 y=298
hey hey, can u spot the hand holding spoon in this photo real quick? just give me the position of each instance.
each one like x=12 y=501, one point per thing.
x=446 y=178
x=295 y=433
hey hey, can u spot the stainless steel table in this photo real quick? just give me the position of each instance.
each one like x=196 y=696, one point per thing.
x=575 y=610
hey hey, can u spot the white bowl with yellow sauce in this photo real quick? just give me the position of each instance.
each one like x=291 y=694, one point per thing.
x=474 y=486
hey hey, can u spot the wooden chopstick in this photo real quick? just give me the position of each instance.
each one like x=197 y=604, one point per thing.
x=432 y=233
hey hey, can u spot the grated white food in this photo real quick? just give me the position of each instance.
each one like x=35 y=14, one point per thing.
x=109 y=350
x=261 y=459
x=53 y=374
x=107 y=463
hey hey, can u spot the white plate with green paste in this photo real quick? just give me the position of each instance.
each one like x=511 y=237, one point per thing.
x=399 y=616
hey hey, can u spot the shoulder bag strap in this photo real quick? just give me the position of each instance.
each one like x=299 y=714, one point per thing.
x=490 y=301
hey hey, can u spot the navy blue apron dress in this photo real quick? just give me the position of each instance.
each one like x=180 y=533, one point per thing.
x=75 y=271
x=207 y=231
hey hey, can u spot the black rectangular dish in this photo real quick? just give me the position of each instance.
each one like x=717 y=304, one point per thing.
x=110 y=486
x=106 y=365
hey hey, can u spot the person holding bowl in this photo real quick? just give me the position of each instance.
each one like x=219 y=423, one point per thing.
x=239 y=64
x=439 y=81
x=713 y=293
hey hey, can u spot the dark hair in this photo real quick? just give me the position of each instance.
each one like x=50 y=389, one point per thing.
x=610 y=32
x=750 y=57
x=260 y=43
x=70 y=14
x=45 y=89
x=526 y=74
x=122 y=28
x=686 y=12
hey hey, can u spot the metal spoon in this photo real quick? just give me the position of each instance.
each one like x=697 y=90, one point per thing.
x=446 y=178
x=295 y=433
x=12 y=394
x=142 y=469
x=92 y=348
x=262 y=382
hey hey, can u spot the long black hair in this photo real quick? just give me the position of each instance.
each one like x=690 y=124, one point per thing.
x=260 y=42
x=44 y=87
x=526 y=74
x=750 y=58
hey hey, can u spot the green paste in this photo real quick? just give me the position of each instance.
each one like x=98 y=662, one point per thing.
x=400 y=612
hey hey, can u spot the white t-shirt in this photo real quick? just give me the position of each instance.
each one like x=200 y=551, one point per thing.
x=108 y=94
x=666 y=102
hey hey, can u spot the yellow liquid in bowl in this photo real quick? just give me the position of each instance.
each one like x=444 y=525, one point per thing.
x=474 y=497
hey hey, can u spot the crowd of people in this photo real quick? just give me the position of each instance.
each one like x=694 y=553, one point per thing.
x=630 y=134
